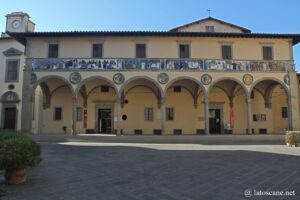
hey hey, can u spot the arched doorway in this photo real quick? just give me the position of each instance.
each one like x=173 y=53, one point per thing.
x=227 y=107
x=141 y=103
x=96 y=106
x=184 y=112
x=9 y=115
x=270 y=107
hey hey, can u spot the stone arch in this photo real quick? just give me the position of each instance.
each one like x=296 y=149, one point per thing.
x=230 y=79
x=38 y=82
x=10 y=96
x=286 y=89
x=79 y=86
x=185 y=78
x=155 y=83
x=267 y=92
x=194 y=94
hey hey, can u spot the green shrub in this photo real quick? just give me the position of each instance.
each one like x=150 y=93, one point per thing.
x=18 y=151
x=292 y=137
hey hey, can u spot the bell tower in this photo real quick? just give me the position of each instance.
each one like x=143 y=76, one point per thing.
x=19 y=22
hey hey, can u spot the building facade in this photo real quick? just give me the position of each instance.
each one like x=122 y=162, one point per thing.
x=206 y=77
x=11 y=79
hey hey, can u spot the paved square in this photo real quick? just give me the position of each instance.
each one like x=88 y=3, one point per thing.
x=135 y=172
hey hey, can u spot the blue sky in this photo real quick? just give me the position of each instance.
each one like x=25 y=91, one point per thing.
x=65 y=15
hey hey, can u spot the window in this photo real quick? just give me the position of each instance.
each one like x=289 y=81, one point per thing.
x=148 y=114
x=170 y=114
x=209 y=29
x=177 y=89
x=79 y=114
x=140 y=50
x=268 y=53
x=12 y=70
x=97 y=50
x=284 y=112
x=57 y=114
x=11 y=97
x=104 y=88
x=226 y=52
x=184 y=51
x=259 y=117
x=53 y=51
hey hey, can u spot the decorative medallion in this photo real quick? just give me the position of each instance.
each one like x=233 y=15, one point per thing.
x=75 y=77
x=33 y=78
x=163 y=78
x=118 y=78
x=11 y=86
x=206 y=79
x=248 y=79
x=286 y=79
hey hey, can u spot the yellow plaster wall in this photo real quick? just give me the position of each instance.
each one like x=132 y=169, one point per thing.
x=138 y=99
x=61 y=98
x=279 y=100
x=162 y=47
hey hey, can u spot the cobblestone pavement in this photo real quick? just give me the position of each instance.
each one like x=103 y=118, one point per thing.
x=145 y=172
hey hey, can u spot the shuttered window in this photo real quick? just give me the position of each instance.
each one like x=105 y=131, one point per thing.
x=12 y=70
x=52 y=50
x=97 y=50
x=184 y=51
x=148 y=114
x=267 y=53
x=226 y=52
x=57 y=116
x=140 y=50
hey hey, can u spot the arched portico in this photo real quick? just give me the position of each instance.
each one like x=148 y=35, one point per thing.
x=96 y=105
x=141 y=100
x=271 y=106
x=52 y=101
x=183 y=115
x=228 y=106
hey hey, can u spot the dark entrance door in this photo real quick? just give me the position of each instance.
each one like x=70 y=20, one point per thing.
x=214 y=121
x=104 y=121
x=10 y=118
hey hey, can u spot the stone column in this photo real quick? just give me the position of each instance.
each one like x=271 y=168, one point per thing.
x=74 y=116
x=206 y=113
x=163 y=115
x=293 y=102
x=248 y=102
x=27 y=94
x=118 y=111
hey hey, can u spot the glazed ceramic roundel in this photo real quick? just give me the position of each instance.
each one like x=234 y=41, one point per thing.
x=75 y=77
x=248 y=79
x=118 y=78
x=206 y=79
x=163 y=78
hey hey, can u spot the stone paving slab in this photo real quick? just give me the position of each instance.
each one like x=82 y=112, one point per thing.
x=103 y=171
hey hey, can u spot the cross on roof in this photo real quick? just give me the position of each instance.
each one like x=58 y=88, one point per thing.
x=209 y=10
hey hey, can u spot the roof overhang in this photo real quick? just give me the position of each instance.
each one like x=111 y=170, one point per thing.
x=22 y=37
